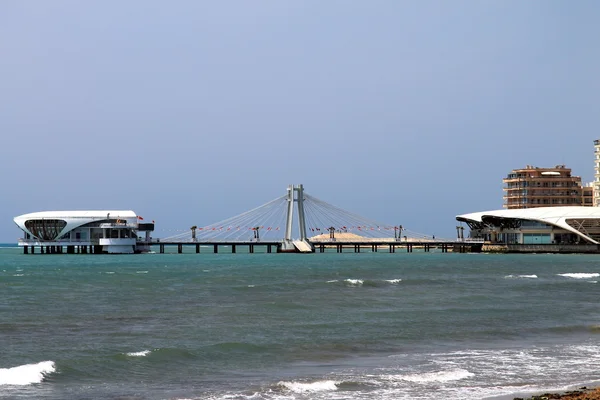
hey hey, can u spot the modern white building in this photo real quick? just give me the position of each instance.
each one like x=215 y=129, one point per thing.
x=101 y=231
x=543 y=225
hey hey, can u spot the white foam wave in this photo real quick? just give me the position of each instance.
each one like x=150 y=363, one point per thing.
x=18 y=274
x=393 y=281
x=522 y=276
x=354 y=282
x=109 y=272
x=440 y=376
x=301 y=387
x=581 y=275
x=26 y=374
x=332 y=281
x=141 y=272
x=142 y=353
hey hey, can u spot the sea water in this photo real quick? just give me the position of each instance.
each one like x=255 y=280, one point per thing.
x=296 y=326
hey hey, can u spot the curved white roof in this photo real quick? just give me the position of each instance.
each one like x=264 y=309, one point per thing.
x=75 y=219
x=94 y=214
x=556 y=216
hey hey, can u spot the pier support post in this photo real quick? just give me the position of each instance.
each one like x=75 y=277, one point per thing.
x=25 y=250
x=197 y=248
x=233 y=248
x=32 y=249
x=161 y=248
x=251 y=247
x=215 y=248
x=179 y=248
x=269 y=248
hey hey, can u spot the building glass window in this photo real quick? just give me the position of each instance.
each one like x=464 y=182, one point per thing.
x=45 y=229
x=536 y=238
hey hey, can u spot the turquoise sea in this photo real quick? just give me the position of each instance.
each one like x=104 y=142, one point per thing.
x=296 y=326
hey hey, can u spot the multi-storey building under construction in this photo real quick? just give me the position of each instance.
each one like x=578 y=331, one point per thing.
x=532 y=187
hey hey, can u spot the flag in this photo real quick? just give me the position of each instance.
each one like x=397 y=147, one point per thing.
x=140 y=218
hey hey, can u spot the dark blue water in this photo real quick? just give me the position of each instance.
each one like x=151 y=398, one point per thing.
x=287 y=326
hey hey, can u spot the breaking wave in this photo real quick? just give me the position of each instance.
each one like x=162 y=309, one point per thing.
x=580 y=275
x=310 y=387
x=26 y=374
x=440 y=376
x=142 y=353
x=354 y=282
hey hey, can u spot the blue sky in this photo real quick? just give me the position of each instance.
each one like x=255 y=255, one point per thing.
x=189 y=112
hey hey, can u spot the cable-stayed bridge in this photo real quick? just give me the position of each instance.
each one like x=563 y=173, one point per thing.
x=299 y=222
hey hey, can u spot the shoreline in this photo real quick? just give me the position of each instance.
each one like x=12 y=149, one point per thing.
x=582 y=393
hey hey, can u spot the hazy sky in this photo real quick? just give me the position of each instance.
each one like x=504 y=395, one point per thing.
x=189 y=112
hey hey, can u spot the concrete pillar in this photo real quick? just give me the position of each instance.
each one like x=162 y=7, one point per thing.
x=215 y=248
x=179 y=248
x=197 y=248
x=233 y=248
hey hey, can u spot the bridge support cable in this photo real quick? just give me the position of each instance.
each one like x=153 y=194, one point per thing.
x=274 y=221
x=344 y=221
x=321 y=216
x=269 y=218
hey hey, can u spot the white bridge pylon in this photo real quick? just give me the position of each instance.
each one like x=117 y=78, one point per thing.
x=295 y=194
x=274 y=221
